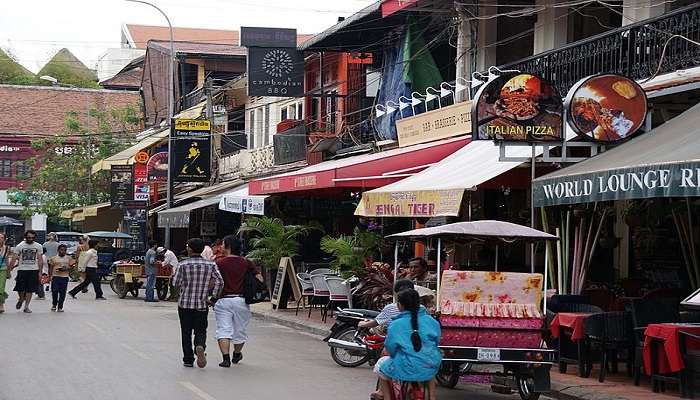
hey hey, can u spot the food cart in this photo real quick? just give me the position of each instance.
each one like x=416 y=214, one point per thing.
x=491 y=317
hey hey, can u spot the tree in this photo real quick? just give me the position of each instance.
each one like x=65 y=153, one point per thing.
x=272 y=240
x=64 y=179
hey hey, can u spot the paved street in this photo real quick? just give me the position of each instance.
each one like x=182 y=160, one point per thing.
x=126 y=349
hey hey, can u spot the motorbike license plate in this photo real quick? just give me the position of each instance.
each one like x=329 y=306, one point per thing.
x=488 y=354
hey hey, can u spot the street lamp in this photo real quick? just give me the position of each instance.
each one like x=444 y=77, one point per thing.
x=171 y=101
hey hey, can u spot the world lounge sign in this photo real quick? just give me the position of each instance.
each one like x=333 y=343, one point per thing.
x=667 y=180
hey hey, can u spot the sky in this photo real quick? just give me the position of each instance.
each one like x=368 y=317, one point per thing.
x=34 y=30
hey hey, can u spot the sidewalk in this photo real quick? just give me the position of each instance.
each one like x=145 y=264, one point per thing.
x=567 y=386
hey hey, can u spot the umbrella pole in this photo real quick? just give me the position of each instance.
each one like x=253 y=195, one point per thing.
x=439 y=271
x=496 y=258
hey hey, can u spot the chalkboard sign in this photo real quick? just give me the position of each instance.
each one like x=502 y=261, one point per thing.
x=285 y=271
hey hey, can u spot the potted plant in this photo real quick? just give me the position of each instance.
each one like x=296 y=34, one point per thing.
x=352 y=252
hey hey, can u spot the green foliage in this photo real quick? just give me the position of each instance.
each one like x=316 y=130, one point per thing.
x=13 y=73
x=350 y=252
x=65 y=67
x=272 y=240
x=65 y=180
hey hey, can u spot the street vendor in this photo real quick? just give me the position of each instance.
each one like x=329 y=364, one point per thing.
x=418 y=271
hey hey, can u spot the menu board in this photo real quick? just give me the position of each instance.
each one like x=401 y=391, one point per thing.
x=285 y=271
x=518 y=107
x=606 y=108
x=121 y=185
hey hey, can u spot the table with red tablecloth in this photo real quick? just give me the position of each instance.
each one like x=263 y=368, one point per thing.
x=573 y=321
x=669 y=358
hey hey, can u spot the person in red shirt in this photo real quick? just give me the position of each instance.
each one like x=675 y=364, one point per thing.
x=232 y=312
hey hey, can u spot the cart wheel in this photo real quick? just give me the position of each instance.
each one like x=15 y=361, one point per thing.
x=119 y=286
x=448 y=375
x=526 y=388
x=162 y=289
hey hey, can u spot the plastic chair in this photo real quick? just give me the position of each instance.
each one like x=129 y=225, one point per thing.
x=339 y=292
x=645 y=312
x=611 y=332
x=307 y=289
x=321 y=271
x=321 y=294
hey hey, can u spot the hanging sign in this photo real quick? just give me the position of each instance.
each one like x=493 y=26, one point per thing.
x=606 y=108
x=121 y=185
x=141 y=157
x=141 y=187
x=417 y=204
x=518 y=107
x=437 y=124
x=275 y=71
x=191 y=145
x=254 y=205
x=158 y=167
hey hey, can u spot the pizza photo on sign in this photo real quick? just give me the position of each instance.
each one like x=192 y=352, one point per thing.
x=518 y=107
x=158 y=167
x=606 y=108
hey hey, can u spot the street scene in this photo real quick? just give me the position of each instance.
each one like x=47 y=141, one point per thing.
x=383 y=199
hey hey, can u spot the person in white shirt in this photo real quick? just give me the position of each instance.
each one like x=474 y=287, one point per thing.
x=90 y=272
x=30 y=261
x=169 y=258
x=208 y=252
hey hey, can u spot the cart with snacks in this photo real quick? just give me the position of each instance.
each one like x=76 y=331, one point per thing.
x=491 y=317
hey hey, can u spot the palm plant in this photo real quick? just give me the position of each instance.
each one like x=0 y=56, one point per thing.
x=272 y=240
x=351 y=252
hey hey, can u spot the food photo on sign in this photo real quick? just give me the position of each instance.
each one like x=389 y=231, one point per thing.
x=518 y=107
x=606 y=108
x=158 y=167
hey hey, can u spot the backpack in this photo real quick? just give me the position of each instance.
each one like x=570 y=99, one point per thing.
x=254 y=291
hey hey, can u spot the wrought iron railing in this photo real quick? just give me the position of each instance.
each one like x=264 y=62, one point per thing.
x=192 y=98
x=633 y=50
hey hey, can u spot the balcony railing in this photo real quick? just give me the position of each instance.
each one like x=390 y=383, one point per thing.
x=192 y=98
x=633 y=50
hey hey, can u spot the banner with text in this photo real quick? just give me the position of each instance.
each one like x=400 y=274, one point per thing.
x=667 y=180
x=424 y=203
x=437 y=124
x=121 y=185
x=191 y=156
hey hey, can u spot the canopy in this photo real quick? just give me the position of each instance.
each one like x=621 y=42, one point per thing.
x=486 y=229
x=362 y=171
x=179 y=217
x=241 y=202
x=7 y=221
x=438 y=190
x=126 y=156
x=664 y=162
x=109 y=235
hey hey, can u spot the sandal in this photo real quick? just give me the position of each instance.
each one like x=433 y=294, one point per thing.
x=376 y=396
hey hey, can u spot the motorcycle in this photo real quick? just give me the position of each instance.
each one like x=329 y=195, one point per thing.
x=351 y=346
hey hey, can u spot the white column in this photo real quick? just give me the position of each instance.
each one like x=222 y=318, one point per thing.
x=464 y=59
x=638 y=10
x=551 y=28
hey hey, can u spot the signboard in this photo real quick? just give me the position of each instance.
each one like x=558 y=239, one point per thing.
x=254 y=205
x=290 y=146
x=141 y=157
x=420 y=204
x=606 y=108
x=391 y=6
x=135 y=225
x=121 y=185
x=207 y=228
x=158 y=167
x=666 y=180
x=433 y=125
x=285 y=272
x=275 y=71
x=268 y=37
x=141 y=186
x=518 y=107
x=191 y=156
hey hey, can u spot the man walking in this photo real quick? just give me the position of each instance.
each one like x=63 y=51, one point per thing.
x=91 y=275
x=196 y=278
x=30 y=264
x=50 y=250
x=151 y=271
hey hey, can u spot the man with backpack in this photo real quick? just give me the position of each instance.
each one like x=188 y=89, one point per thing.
x=231 y=309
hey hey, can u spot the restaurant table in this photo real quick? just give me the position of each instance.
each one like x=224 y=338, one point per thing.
x=669 y=357
x=573 y=321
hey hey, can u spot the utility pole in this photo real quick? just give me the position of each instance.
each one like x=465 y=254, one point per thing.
x=208 y=90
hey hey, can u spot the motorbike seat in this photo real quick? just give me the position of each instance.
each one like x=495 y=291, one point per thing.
x=366 y=313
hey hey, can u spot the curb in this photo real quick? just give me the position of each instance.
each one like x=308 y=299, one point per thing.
x=290 y=324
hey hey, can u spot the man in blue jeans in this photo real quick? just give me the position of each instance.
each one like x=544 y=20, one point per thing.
x=151 y=271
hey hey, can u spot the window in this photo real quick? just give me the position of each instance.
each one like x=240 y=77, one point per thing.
x=267 y=125
x=251 y=130
x=5 y=168
x=23 y=169
x=283 y=114
x=300 y=114
x=259 y=133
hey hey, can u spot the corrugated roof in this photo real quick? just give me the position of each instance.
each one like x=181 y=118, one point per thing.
x=141 y=34
x=195 y=48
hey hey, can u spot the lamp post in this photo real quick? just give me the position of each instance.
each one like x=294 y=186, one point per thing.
x=171 y=101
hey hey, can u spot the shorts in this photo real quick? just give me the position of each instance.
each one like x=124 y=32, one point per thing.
x=27 y=281
x=232 y=318
x=378 y=365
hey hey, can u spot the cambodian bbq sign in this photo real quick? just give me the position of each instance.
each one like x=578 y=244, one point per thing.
x=667 y=180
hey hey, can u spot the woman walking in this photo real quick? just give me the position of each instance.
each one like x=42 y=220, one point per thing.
x=5 y=261
x=80 y=258
x=232 y=312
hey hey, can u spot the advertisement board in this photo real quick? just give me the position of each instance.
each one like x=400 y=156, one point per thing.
x=141 y=186
x=268 y=37
x=426 y=203
x=191 y=156
x=275 y=71
x=518 y=107
x=437 y=124
x=121 y=185
x=606 y=108
x=158 y=167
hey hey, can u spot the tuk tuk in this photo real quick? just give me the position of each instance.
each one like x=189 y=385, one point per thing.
x=491 y=317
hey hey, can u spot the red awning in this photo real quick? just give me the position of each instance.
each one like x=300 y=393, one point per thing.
x=367 y=171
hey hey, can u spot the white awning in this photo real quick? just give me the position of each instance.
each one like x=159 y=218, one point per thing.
x=126 y=156
x=179 y=217
x=241 y=202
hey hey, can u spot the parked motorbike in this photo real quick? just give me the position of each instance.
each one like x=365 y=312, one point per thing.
x=350 y=346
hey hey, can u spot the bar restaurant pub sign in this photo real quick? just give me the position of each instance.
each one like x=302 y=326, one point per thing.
x=433 y=125
x=639 y=182
x=191 y=151
x=416 y=204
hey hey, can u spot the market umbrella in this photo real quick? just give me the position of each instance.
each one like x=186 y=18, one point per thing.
x=7 y=221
